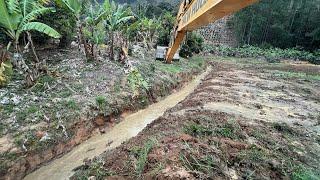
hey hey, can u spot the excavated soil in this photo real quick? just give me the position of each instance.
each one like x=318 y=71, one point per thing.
x=76 y=100
x=248 y=119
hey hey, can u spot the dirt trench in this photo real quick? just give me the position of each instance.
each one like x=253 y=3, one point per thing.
x=245 y=120
x=85 y=129
x=129 y=127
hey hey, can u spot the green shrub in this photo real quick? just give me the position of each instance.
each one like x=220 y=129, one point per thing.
x=193 y=44
x=167 y=23
x=137 y=82
x=271 y=54
x=101 y=102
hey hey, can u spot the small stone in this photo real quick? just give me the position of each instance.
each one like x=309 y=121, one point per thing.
x=274 y=163
x=92 y=178
x=16 y=100
x=5 y=101
x=232 y=174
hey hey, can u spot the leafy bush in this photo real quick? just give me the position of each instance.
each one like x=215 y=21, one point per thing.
x=167 y=23
x=271 y=54
x=193 y=44
x=101 y=102
x=137 y=82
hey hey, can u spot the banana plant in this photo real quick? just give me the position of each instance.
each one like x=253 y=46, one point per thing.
x=148 y=27
x=18 y=17
x=115 y=18
x=94 y=26
x=77 y=7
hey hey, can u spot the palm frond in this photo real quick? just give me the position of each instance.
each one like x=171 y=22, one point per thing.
x=27 y=6
x=35 y=14
x=13 y=6
x=41 y=27
x=74 y=5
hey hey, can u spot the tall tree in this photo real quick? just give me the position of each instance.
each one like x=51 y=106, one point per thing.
x=280 y=23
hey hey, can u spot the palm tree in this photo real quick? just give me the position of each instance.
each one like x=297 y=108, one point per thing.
x=18 y=17
x=115 y=18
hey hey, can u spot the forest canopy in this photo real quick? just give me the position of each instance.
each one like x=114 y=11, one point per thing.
x=280 y=23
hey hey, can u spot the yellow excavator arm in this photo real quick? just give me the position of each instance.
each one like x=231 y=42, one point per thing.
x=196 y=13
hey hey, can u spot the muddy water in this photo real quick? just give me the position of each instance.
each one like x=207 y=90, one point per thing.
x=131 y=125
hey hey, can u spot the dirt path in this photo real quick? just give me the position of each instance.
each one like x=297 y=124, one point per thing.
x=131 y=125
x=246 y=119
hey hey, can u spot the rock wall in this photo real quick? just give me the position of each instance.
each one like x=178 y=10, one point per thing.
x=219 y=33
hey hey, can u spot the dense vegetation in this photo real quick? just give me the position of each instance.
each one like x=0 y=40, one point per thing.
x=270 y=54
x=107 y=29
x=95 y=24
x=280 y=23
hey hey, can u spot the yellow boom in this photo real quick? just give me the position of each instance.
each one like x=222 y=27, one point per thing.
x=196 y=13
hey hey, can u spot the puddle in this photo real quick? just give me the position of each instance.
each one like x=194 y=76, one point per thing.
x=131 y=125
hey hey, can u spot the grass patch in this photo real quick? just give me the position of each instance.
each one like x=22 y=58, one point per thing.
x=194 y=161
x=206 y=164
x=173 y=68
x=197 y=130
x=141 y=155
x=263 y=137
x=253 y=155
x=96 y=169
x=72 y=104
x=231 y=130
x=299 y=75
x=7 y=109
x=64 y=94
x=303 y=173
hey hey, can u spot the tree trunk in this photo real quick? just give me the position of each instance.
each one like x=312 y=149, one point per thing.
x=92 y=44
x=19 y=62
x=250 y=30
x=32 y=47
x=111 y=46
x=83 y=41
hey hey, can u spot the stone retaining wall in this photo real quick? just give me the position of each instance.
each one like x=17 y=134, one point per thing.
x=219 y=33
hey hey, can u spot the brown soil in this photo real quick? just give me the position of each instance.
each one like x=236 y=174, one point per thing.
x=16 y=162
x=242 y=122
